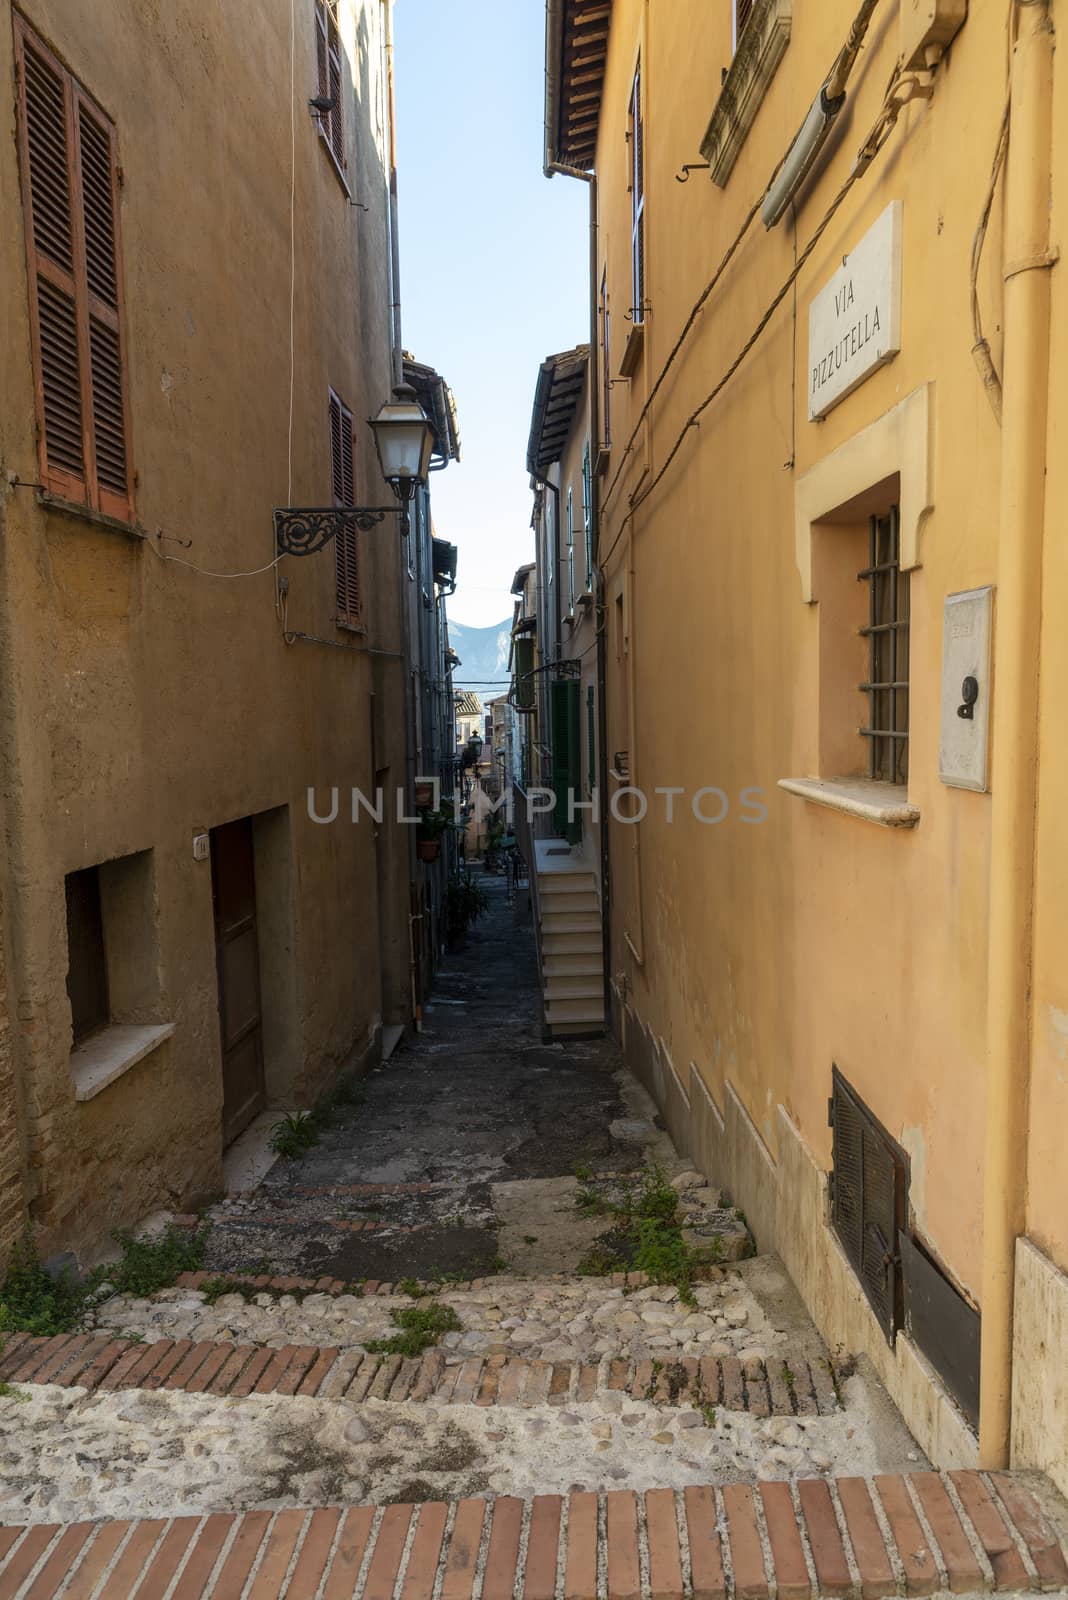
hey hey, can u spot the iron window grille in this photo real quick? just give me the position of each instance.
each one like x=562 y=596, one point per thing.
x=887 y=633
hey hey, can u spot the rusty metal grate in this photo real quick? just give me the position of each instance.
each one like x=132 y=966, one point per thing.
x=887 y=633
x=869 y=1197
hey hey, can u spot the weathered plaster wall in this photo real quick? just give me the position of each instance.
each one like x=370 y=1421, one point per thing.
x=144 y=702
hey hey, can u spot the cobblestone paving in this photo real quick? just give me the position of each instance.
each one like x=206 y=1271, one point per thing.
x=66 y=1454
x=569 y=1320
x=401 y=1183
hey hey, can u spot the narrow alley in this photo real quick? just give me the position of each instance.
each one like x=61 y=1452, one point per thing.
x=534 y=821
x=197 y=1430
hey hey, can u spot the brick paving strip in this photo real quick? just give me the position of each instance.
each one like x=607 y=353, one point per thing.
x=815 y=1538
x=95 y=1362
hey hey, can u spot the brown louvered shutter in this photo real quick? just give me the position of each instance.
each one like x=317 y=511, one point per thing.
x=637 y=197
x=742 y=11
x=47 y=194
x=70 y=191
x=346 y=545
x=328 y=74
x=337 y=121
x=98 y=169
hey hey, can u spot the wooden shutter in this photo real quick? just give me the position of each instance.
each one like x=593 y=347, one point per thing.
x=869 y=1200
x=70 y=196
x=524 y=667
x=742 y=11
x=587 y=514
x=346 y=545
x=566 y=747
x=637 y=196
x=591 y=743
x=328 y=74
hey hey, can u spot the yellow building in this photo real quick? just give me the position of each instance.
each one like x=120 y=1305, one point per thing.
x=825 y=325
x=197 y=320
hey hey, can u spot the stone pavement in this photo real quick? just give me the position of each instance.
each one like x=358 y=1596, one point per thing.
x=573 y=1438
x=406 y=1182
x=963 y=1532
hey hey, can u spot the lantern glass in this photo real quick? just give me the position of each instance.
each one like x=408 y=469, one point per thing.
x=404 y=438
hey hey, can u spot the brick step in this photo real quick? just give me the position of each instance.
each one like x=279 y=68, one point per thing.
x=590 y=1010
x=569 y=986
x=95 y=1361
x=573 y=964
x=583 y=903
x=799 y=1541
x=557 y=924
x=551 y=884
x=557 y=945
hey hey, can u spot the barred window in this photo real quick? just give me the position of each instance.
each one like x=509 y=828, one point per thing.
x=887 y=633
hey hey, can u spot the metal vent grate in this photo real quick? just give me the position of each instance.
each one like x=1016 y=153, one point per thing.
x=869 y=1194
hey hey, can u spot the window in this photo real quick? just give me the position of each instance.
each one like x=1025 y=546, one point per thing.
x=636 y=136
x=346 y=546
x=741 y=12
x=587 y=515
x=869 y=1192
x=328 y=65
x=570 y=550
x=606 y=362
x=87 y=973
x=887 y=633
x=113 y=972
x=70 y=196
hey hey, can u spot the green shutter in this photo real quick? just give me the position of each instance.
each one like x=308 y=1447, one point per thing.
x=524 y=667
x=570 y=551
x=591 y=745
x=566 y=747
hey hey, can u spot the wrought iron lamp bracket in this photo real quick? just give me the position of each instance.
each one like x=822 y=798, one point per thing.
x=301 y=531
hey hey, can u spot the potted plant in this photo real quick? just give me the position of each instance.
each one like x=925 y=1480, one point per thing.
x=464 y=904
x=431 y=826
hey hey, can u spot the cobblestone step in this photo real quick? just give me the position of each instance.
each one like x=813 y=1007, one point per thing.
x=88 y=1361
x=282 y=1284
x=967 y=1532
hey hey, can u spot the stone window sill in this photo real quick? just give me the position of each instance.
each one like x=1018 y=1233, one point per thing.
x=83 y=513
x=760 y=49
x=106 y=1055
x=884 y=803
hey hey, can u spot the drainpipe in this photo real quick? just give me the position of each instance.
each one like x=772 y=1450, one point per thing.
x=1015 y=750
x=394 y=221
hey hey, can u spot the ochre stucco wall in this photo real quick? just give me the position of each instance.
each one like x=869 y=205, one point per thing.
x=142 y=701
x=772 y=951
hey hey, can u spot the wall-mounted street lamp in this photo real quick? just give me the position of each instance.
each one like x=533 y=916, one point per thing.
x=404 y=440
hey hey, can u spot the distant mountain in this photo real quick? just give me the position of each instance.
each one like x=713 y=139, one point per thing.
x=484 y=653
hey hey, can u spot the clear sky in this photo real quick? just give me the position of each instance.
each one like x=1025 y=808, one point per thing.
x=493 y=263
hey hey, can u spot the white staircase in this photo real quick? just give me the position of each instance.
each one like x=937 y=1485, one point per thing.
x=570 y=942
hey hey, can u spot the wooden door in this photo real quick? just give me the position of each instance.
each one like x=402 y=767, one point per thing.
x=233 y=881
